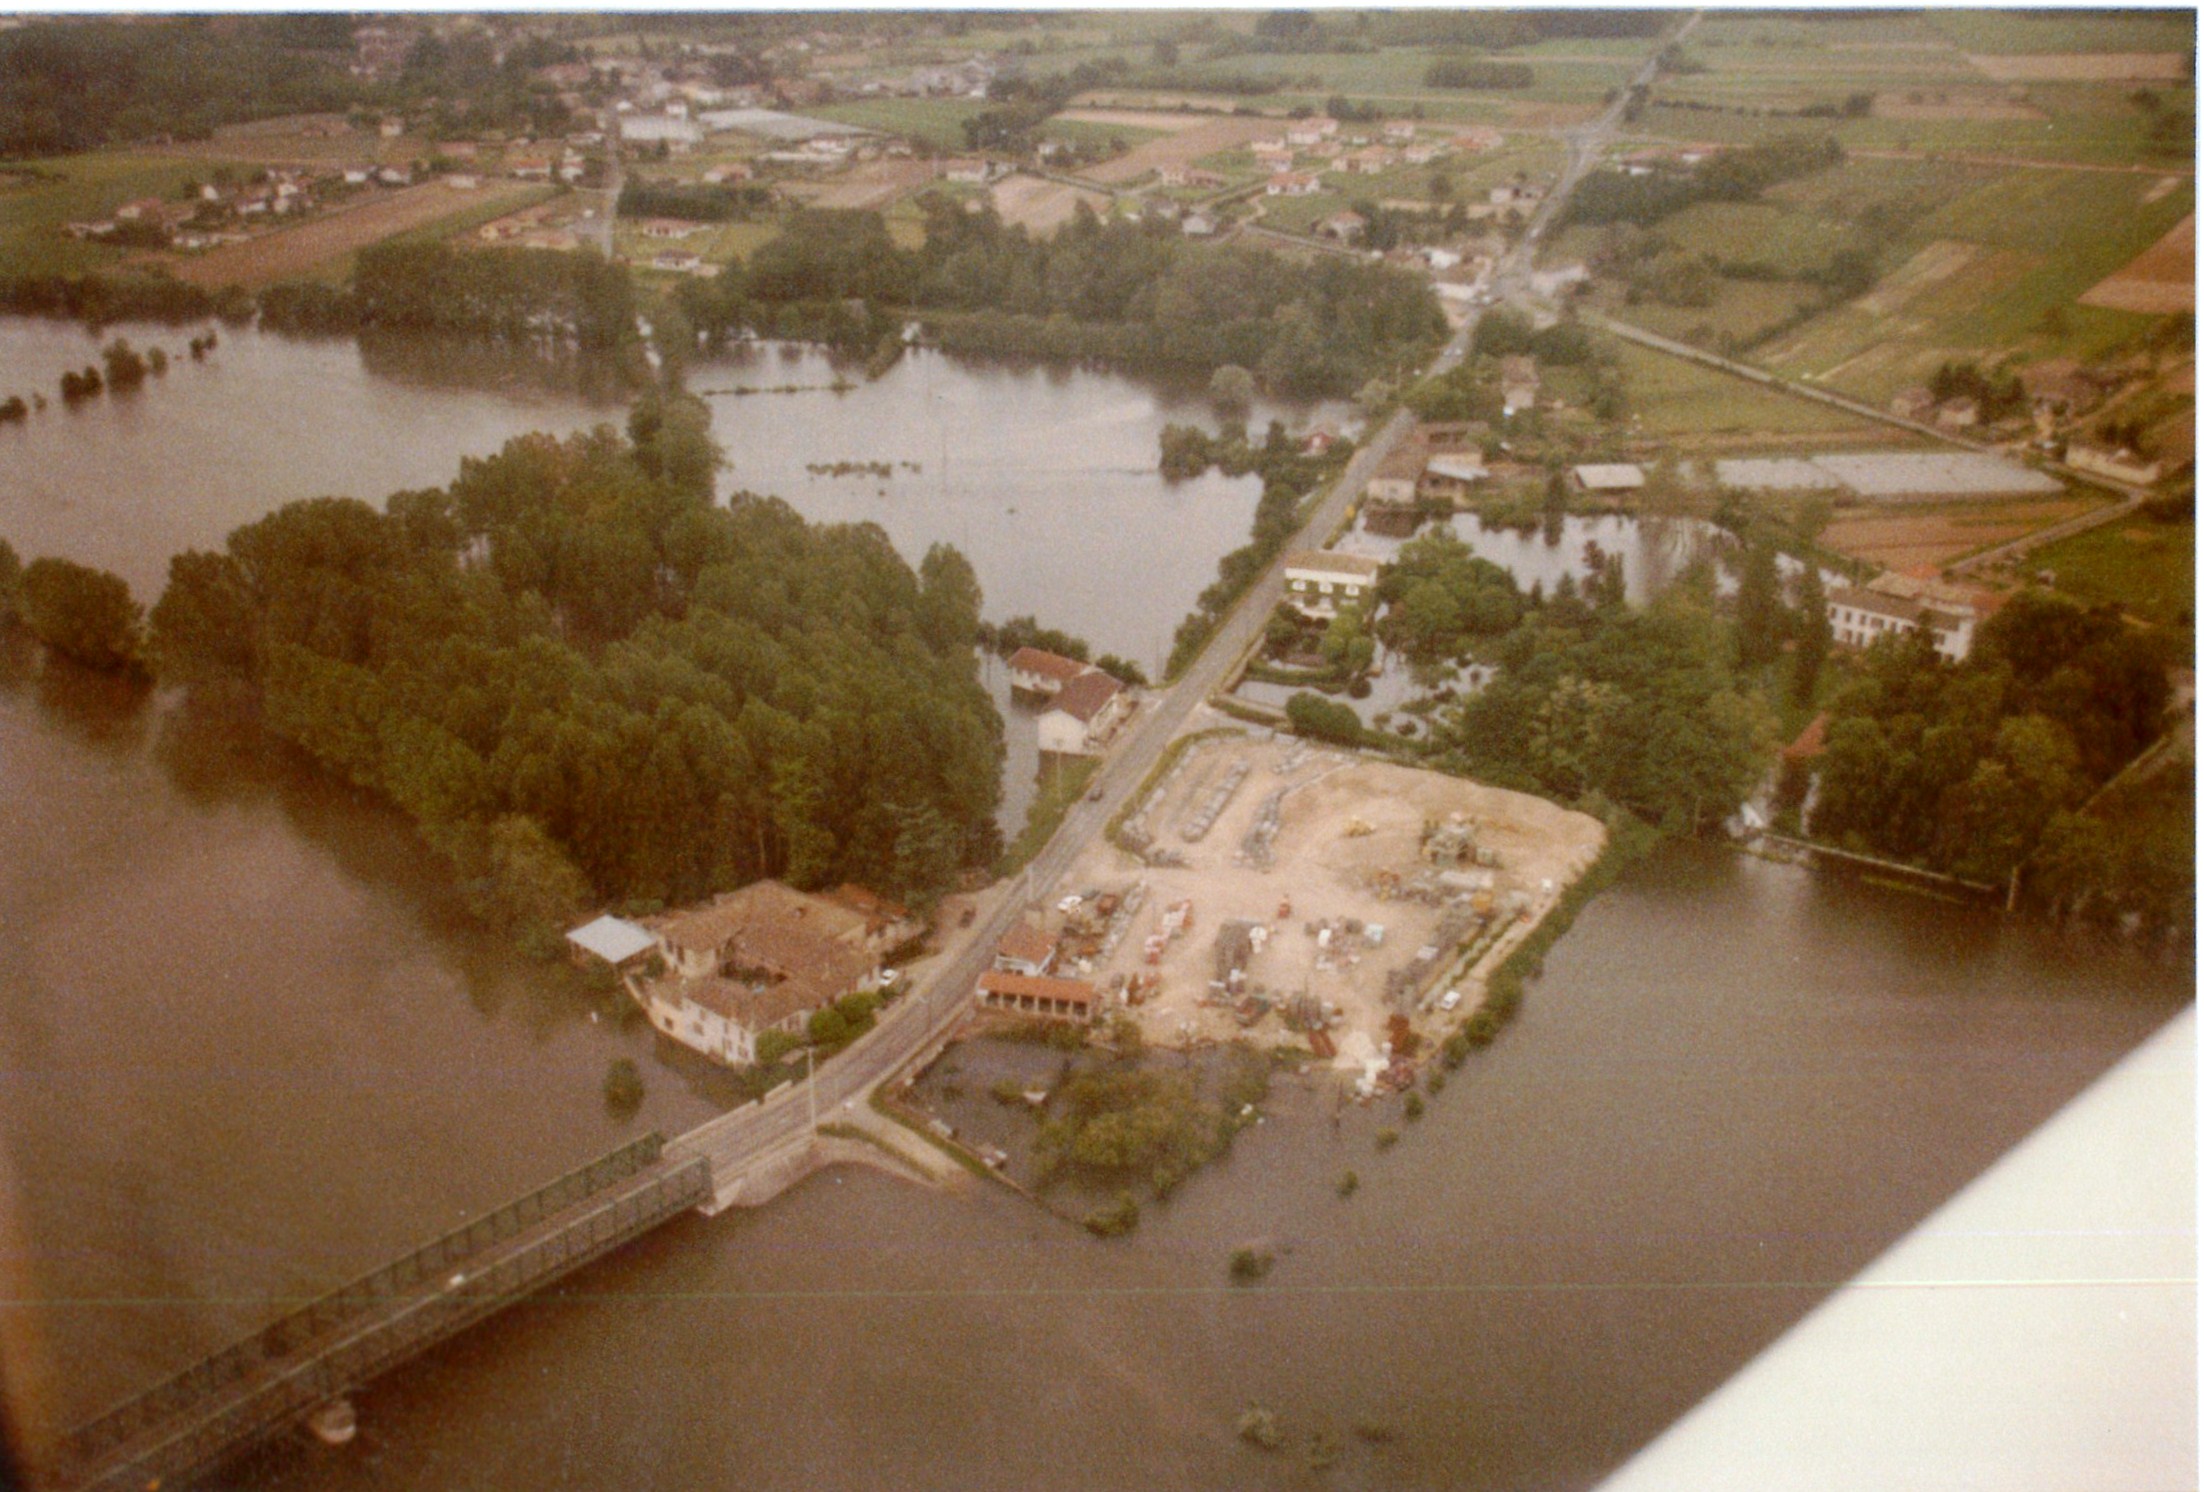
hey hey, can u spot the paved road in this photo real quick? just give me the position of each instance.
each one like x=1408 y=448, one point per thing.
x=1586 y=144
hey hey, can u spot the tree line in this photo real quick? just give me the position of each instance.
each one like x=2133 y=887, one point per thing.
x=586 y=683
x=1972 y=768
x=1133 y=295
x=1736 y=175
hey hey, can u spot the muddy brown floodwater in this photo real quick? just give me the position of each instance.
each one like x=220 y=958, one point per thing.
x=251 y=1047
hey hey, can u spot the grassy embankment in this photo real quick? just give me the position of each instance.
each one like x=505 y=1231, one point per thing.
x=2145 y=565
x=1066 y=780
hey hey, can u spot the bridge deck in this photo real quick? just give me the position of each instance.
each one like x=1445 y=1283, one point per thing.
x=277 y=1376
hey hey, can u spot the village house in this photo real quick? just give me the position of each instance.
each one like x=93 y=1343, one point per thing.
x=1025 y=949
x=529 y=167
x=1368 y=162
x=1347 y=227
x=2122 y=465
x=1617 y=476
x=1276 y=154
x=1450 y=476
x=1478 y=140
x=1311 y=131
x=1394 y=480
x=669 y=228
x=763 y=959
x=1915 y=403
x=1198 y=225
x=1037 y=671
x=1422 y=155
x=679 y=262
x=1188 y=176
x=1319 y=582
x=1890 y=605
x=971 y=170
x=1083 y=714
x=1400 y=129
x=1026 y=994
x=1958 y=414
x=1291 y=184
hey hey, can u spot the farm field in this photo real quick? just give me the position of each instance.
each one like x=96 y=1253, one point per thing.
x=937 y=121
x=2016 y=255
x=1040 y=206
x=1205 y=136
x=302 y=140
x=1396 y=74
x=1742 y=310
x=872 y=185
x=2145 y=565
x=79 y=188
x=2160 y=280
x=1702 y=409
x=305 y=251
x=1937 y=534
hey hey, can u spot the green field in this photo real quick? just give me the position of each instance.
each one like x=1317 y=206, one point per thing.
x=2146 y=566
x=2021 y=31
x=1674 y=397
x=937 y=121
x=1743 y=309
x=1396 y=75
x=32 y=240
x=2028 y=242
x=1086 y=133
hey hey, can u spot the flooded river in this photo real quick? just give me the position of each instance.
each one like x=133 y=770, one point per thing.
x=251 y=1047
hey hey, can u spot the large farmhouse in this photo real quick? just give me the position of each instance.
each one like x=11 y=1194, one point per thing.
x=763 y=959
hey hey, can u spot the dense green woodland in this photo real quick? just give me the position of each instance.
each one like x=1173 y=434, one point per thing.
x=1601 y=703
x=585 y=682
x=515 y=294
x=1974 y=768
x=1138 y=296
x=84 y=83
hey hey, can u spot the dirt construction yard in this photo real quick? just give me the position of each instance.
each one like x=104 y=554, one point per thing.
x=1347 y=853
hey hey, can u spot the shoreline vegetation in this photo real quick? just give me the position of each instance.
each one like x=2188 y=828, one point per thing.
x=583 y=681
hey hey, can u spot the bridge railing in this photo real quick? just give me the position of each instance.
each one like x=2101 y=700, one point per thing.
x=293 y=1331
x=282 y=1394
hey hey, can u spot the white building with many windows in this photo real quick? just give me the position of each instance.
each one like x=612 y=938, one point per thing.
x=1319 y=582
x=1860 y=618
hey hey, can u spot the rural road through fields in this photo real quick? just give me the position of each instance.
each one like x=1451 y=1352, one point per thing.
x=739 y=1140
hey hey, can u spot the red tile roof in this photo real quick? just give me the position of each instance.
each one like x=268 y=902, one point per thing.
x=1036 y=986
x=1048 y=665
x=1026 y=944
x=1088 y=695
